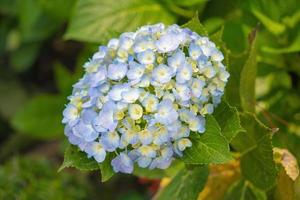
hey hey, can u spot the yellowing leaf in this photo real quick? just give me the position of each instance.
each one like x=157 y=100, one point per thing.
x=220 y=178
x=285 y=187
x=288 y=161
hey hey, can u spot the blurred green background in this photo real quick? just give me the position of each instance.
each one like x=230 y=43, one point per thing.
x=44 y=43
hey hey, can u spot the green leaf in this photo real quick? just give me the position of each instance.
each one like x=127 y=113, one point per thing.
x=195 y=25
x=64 y=79
x=57 y=8
x=292 y=48
x=240 y=88
x=35 y=177
x=232 y=94
x=8 y=7
x=14 y=98
x=189 y=2
x=247 y=80
x=75 y=158
x=147 y=173
x=235 y=36
x=209 y=147
x=34 y=24
x=212 y=24
x=274 y=27
x=106 y=169
x=292 y=20
x=228 y=119
x=159 y=173
x=23 y=58
x=41 y=117
x=217 y=39
x=93 y=18
x=244 y=190
x=257 y=163
x=186 y=185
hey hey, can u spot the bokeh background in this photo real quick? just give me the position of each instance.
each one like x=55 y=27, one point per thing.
x=44 y=43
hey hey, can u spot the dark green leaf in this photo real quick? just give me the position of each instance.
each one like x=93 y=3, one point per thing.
x=57 y=8
x=106 y=169
x=257 y=163
x=212 y=24
x=240 y=88
x=93 y=19
x=23 y=58
x=34 y=24
x=228 y=119
x=209 y=147
x=217 y=39
x=247 y=82
x=186 y=185
x=75 y=158
x=41 y=117
x=34 y=177
x=8 y=7
x=64 y=79
x=244 y=190
x=232 y=94
x=292 y=48
x=13 y=100
x=4 y=35
x=235 y=36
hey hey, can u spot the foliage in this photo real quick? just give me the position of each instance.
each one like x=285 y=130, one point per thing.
x=259 y=115
x=211 y=147
x=87 y=18
x=32 y=178
x=39 y=113
x=183 y=184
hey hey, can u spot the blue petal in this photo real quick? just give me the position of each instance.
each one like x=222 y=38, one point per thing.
x=110 y=141
x=160 y=163
x=146 y=57
x=167 y=43
x=144 y=162
x=88 y=115
x=122 y=163
x=117 y=71
x=85 y=131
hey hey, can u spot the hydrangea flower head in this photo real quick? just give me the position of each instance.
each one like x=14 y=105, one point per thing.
x=142 y=96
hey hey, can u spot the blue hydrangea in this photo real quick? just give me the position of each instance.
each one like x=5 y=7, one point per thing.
x=142 y=96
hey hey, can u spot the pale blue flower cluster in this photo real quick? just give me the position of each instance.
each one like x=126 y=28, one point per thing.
x=142 y=96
